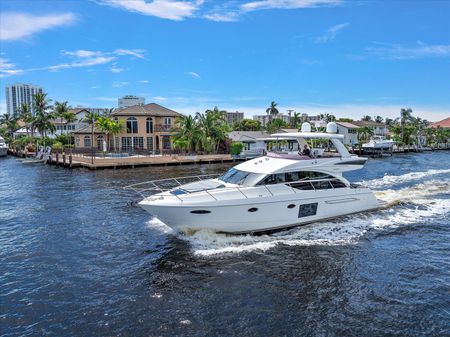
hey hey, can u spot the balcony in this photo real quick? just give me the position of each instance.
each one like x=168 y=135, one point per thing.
x=162 y=127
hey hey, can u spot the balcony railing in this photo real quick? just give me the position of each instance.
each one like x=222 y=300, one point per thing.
x=162 y=127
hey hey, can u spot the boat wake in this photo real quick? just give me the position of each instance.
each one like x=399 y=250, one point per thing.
x=418 y=203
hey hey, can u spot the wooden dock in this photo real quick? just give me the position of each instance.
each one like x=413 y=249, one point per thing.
x=69 y=161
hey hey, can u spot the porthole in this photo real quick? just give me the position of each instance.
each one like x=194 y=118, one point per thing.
x=291 y=206
x=253 y=209
x=200 y=211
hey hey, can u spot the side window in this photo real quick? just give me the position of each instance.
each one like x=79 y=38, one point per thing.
x=337 y=184
x=307 y=210
x=321 y=185
x=302 y=186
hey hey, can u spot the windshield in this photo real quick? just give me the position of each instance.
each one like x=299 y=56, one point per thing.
x=234 y=176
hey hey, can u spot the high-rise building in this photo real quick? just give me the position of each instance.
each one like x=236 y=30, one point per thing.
x=264 y=119
x=130 y=100
x=233 y=117
x=19 y=93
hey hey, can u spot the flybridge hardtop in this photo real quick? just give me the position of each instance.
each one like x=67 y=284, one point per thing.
x=275 y=191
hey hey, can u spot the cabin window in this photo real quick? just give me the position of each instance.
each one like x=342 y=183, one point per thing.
x=132 y=125
x=321 y=185
x=338 y=184
x=302 y=186
x=234 y=176
x=307 y=210
x=293 y=176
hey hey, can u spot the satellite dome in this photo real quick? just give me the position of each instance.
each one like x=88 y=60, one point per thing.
x=306 y=127
x=332 y=127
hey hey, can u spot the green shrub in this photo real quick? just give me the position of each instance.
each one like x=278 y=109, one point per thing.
x=236 y=148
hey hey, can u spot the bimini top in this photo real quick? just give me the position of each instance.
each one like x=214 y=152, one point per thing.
x=307 y=135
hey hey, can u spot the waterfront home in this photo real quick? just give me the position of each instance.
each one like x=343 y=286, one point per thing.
x=147 y=128
x=379 y=129
x=252 y=140
x=445 y=124
x=350 y=132
x=62 y=127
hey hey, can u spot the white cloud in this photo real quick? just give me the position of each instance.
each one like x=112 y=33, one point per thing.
x=120 y=84
x=85 y=62
x=193 y=74
x=8 y=69
x=82 y=53
x=286 y=4
x=331 y=33
x=143 y=81
x=165 y=9
x=16 y=26
x=114 y=69
x=139 y=53
x=95 y=87
x=399 y=52
x=222 y=17
x=160 y=98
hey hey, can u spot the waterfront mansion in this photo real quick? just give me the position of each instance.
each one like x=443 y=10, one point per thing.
x=147 y=128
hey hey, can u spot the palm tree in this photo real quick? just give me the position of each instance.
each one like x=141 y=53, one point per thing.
x=116 y=127
x=378 y=119
x=187 y=132
x=43 y=119
x=272 y=110
x=405 y=117
x=366 y=118
x=275 y=125
x=90 y=118
x=26 y=116
x=364 y=134
x=213 y=127
x=327 y=117
x=296 y=120
x=10 y=122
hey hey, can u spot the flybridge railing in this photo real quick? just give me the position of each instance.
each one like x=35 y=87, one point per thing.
x=163 y=185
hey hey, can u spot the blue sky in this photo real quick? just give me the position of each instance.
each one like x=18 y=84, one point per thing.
x=349 y=58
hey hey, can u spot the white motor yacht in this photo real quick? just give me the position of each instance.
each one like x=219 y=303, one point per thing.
x=378 y=143
x=268 y=193
x=3 y=147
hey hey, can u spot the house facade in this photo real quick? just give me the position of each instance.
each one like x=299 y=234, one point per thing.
x=350 y=132
x=379 y=129
x=63 y=128
x=147 y=128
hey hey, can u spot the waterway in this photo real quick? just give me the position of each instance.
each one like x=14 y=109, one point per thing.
x=77 y=259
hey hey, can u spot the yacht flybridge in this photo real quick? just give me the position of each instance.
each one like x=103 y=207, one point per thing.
x=267 y=193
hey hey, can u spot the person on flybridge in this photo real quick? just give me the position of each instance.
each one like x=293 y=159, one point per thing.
x=306 y=151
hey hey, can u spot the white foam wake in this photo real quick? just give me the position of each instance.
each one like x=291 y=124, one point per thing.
x=416 y=206
x=388 y=180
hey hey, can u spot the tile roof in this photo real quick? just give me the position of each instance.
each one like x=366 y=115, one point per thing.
x=87 y=130
x=445 y=123
x=151 y=109
x=238 y=136
x=348 y=125
x=368 y=123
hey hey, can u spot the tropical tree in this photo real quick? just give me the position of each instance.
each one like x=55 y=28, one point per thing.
x=327 y=117
x=405 y=117
x=247 y=125
x=364 y=134
x=115 y=128
x=296 y=120
x=26 y=116
x=213 y=127
x=187 y=133
x=378 y=119
x=10 y=123
x=366 y=118
x=276 y=125
x=90 y=118
x=42 y=120
x=272 y=110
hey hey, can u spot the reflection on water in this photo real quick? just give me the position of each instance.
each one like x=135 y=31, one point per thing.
x=77 y=259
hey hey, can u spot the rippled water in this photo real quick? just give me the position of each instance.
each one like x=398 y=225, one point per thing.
x=77 y=260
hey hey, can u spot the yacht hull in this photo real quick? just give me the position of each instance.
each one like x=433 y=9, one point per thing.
x=252 y=215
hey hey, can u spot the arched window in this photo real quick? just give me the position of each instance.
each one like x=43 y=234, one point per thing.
x=132 y=125
x=149 y=125
x=87 y=141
